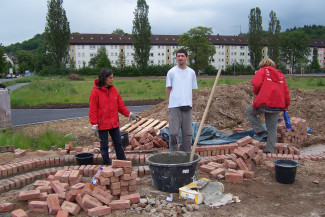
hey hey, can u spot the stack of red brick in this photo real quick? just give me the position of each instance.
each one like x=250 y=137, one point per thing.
x=297 y=133
x=145 y=140
x=239 y=165
x=116 y=190
x=68 y=149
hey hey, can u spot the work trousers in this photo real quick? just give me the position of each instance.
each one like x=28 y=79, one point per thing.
x=179 y=119
x=117 y=141
x=271 y=121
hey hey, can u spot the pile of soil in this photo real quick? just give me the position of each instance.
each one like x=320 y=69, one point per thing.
x=227 y=109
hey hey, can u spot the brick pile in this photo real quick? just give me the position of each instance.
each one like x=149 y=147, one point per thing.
x=64 y=192
x=238 y=165
x=68 y=149
x=145 y=140
x=297 y=133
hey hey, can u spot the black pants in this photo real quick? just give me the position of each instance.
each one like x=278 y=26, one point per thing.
x=116 y=138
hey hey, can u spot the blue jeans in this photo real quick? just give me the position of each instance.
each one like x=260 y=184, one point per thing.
x=117 y=141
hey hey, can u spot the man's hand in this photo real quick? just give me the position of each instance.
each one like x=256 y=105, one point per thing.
x=133 y=116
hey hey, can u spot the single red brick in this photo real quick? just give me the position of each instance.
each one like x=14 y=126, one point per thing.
x=244 y=141
x=38 y=207
x=119 y=204
x=18 y=213
x=134 y=198
x=241 y=164
x=121 y=163
x=72 y=208
x=62 y=213
x=90 y=202
x=6 y=207
x=53 y=204
x=102 y=195
x=29 y=194
x=216 y=172
x=118 y=172
x=99 y=211
x=234 y=177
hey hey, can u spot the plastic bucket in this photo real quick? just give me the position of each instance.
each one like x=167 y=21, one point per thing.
x=285 y=170
x=85 y=158
x=125 y=138
x=172 y=170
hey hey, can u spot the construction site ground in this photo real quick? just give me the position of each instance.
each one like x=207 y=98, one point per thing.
x=260 y=196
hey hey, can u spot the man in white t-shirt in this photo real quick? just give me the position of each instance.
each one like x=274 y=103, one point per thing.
x=180 y=81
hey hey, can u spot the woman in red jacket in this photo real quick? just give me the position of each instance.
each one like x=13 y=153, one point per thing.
x=272 y=97
x=104 y=105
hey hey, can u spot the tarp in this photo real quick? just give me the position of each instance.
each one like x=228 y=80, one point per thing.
x=210 y=136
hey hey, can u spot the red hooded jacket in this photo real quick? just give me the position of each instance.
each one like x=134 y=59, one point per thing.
x=104 y=105
x=270 y=88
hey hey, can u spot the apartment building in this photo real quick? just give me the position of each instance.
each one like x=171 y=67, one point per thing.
x=229 y=49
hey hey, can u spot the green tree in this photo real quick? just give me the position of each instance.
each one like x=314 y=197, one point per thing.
x=25 y=61
x=42 y=59
x=141 y=34
x=315 y=64
x=195 y=41
x=57 y=32
x=93 y=61
x=274 y=38
x=294 y=47
x=118 y=31
x=121 y=60
x=255 y=37
x=2 y=60
x=103 y=62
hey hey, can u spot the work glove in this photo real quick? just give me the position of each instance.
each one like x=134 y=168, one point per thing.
x=133 y=116
x=95 y=129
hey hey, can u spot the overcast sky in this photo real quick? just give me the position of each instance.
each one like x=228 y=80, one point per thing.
x=22 y=19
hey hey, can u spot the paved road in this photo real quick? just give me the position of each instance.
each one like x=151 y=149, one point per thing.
x=21 y=117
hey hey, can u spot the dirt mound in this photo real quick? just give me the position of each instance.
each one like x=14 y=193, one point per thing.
x=227 y=109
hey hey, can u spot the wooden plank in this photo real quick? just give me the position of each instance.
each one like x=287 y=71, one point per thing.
x=127 y=126
x=149 y=126
x=143 y=126
x=134 y=126
x=159 y=126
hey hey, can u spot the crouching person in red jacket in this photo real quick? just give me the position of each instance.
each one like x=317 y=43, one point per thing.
x=104 y=105
x=272 y=97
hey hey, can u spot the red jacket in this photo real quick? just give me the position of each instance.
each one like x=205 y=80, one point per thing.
x=104 y=105
x=270 y=88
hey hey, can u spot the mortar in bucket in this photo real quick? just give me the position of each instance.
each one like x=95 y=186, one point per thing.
x=285 y=170
x=85 y=158
x=172 y=170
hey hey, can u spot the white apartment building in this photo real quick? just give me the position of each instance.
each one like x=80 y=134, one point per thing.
x=229 y=49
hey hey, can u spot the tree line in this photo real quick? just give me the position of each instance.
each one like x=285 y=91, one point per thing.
x=48 y=53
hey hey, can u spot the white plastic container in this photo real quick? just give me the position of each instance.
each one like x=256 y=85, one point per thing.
x=5 y=110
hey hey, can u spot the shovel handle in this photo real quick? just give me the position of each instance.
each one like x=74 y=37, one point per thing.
x=204 y=116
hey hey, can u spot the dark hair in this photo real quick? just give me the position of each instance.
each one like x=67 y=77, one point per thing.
x=182 y=50
x=103 y=75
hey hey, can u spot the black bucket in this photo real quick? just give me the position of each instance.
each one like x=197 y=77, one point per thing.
x=285 y=170
x=85 y=158
x=125 y=138
x=172 y=170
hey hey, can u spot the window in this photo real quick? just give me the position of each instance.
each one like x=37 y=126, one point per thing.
x=151 y=54
x=83 y=54
x=242 y=47
x=163 y=61
x=167 y=50
x=79 y=55
x=158 y=54
x=162 y=54
x=122 y=50
x=83 y=46
x=72 y=50
x=78 y=46
x=91 y=47
x=242 y=54
x=116 y=54
x=112 y=54
x=115 y=46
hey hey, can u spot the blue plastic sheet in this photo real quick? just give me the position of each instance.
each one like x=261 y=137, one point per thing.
x=208 y=134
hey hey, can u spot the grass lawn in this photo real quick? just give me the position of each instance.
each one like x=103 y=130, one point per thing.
x=52 y=90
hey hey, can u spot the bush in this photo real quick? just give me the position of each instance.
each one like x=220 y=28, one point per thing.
x=75 y=77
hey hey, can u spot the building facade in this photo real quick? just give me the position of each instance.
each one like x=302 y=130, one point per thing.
x=229 y=49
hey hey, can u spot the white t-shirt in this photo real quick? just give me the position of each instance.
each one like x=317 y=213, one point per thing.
x=182 y=82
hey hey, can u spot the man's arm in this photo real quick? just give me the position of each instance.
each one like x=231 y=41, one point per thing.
x=168 y=89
